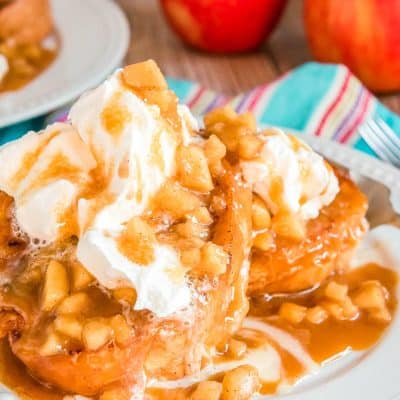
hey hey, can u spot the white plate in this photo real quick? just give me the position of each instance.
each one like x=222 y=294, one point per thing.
x=94 y=39
x=373 y=374
x=369 y=375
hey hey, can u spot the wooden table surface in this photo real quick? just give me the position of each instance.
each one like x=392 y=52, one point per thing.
x=286 y=49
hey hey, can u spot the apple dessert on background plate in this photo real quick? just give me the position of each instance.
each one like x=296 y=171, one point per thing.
x=51 y=51
x=145 y=258
x=28 y=41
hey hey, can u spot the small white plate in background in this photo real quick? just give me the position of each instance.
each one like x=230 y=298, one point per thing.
x=94 y=39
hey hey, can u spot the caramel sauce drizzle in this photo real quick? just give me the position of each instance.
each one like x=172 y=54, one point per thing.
x=116 y=115
x=31 y=158
x=323 y=342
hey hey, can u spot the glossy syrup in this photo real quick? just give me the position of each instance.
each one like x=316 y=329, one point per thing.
x=322 y=342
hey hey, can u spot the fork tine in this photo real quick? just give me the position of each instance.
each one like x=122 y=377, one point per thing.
x=373 y=140
x=395 y=139
x=369 y=137
x=382 y=142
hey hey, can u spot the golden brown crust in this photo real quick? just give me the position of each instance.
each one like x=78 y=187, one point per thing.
x=330 y=239
x=25 y=21
x=233 y=231
x=85 y=373
x=10 y=245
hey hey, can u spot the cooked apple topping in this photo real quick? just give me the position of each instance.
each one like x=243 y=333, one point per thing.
x=137 y=256
x=55 y=287
x=210 y=390
x=156 y=236
x=289 y=181
x=335 y=300
x=240 y=383
x=229 y=127
x=215 y=151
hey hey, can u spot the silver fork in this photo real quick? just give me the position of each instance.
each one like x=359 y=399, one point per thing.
x=382 y=139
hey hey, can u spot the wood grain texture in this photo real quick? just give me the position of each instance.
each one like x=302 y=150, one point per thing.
x=286 y=49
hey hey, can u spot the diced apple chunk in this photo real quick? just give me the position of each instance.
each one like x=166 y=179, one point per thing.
x=289 y=226
x=77 y=303
x=350 y=311
x=56 y=285
x=292 y=312
x=122 y=331
x=249 y=146
x=127 y=294
x=81 y=278
x=382 y=315
x=335 y=291
x=116 y=394
x=191 y=229
x=371 y=295
x=176 y=200
x=334 y=309
x=144 y=75
x=260 y=216
x=68 y=325
x=214 y=149
x=193 y=171
x=229 y=126
x=207 y=390
x=214 y=260
x=201 y=216
x=165 y=100
x=96 y=333
x=316 y=315
x=240 y=383
x=264 y=241
x=51 y=346
x=222 y=114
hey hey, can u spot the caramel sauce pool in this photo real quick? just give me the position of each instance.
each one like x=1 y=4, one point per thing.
x=332 y=337
x=322 y=341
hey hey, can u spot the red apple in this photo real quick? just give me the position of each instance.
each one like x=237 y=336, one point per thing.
x=223 y=25
x=362 y=34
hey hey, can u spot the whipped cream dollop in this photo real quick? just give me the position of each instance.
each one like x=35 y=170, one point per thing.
x=4 y=68
x=136 y=148
x=44 y=173
x=100 y=170
x=290 y=177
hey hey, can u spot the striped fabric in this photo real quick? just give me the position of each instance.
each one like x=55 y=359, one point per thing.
x=318 y=99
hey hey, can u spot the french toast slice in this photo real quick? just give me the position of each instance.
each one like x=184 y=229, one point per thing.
x=162 y=348
x=327 y=247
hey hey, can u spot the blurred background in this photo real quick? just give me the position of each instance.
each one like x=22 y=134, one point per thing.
x=285 y=48
x=322 y=67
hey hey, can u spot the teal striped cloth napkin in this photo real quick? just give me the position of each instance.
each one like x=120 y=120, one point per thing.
x=318 y=99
